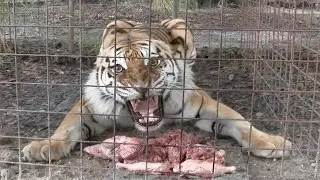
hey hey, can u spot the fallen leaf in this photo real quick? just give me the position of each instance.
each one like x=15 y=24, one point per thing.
x=231 y=77
x=259 y=114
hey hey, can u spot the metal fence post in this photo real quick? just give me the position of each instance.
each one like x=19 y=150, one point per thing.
x=70 y=24
x=175 y=8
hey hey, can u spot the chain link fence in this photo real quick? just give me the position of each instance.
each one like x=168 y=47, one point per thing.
x=260 y=57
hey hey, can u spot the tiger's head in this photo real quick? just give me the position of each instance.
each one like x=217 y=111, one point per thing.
x=138 y=68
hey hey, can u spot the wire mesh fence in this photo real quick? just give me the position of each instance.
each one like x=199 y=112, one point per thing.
x=259 y=57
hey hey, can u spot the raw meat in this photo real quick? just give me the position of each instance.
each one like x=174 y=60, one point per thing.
x=202 y=168
x=169 y=145
x=152 y=168
x=163 y=155
x=124 y=148
x=204 y=152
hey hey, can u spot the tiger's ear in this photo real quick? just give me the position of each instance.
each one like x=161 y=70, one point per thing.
x=181 y=38
x=116 y=29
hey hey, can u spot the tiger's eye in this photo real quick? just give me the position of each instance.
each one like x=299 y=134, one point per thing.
x=118 y=68
x=154 y=63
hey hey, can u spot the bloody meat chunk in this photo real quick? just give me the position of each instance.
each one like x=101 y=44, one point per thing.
x=164 y=148
x=204 y=152
x=164 y=155
x=156 y=151
x=170 y=144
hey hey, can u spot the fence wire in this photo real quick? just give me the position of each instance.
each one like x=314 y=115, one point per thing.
x=260 y=57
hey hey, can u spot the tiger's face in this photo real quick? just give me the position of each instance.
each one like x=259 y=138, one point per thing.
x=139 y=75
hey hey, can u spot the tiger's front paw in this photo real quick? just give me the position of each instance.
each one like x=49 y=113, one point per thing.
x=272 y=146
x=39 y=150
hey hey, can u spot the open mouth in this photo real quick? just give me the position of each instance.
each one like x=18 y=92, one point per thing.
x=146 y=112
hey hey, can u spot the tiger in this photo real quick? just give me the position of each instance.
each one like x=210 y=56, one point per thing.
x=142 y=79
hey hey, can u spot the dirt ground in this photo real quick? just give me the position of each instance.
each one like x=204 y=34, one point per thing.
x=66 y=74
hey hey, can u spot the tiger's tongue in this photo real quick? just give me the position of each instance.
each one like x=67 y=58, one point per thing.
x=142 y=106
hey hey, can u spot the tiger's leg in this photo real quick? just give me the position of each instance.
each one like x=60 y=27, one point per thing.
x=64 y=138
x=231 y=123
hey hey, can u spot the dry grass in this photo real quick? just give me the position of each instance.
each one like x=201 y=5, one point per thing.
x=166 y=5
x=5 y=45
x=4 y=11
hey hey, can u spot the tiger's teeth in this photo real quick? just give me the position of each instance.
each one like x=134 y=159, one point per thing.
x=141 y=121
x=145 y=120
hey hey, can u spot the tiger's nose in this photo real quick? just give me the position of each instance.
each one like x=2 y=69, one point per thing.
x=141 y=90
